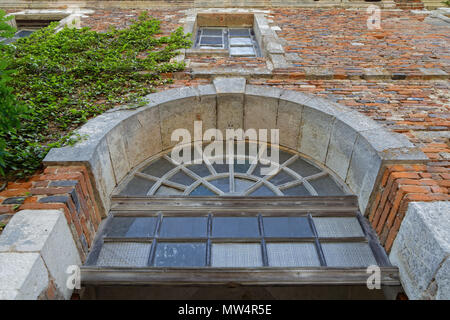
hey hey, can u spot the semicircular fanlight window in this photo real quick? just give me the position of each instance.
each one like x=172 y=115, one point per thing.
x=242 y=176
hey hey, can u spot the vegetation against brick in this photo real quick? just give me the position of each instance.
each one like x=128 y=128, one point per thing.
x=9 y=108
x=66 y=77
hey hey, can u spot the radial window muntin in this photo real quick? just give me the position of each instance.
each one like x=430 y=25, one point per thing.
x=163 y=184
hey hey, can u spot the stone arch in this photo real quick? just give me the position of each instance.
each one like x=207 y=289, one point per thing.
x=350 y=144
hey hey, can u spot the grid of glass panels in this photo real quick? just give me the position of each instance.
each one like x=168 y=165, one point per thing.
x=240 y=177
x=19 y=34
x=219 y=240
x=240 y=42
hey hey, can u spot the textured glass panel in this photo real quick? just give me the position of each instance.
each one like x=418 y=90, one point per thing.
x=158 y=168
x=266 y=170
x=199 y=169
x=292 y=227
x=222 y=184
x=292 y=255
x=338 y=227
x=284 y=156
x=130 y=227
x=171 y=254
x=23 y=33
x=221 y=168
x=239 y=255
x=211 y=41
x=241 y=167
x=349 y=254
x=212 y=32
x=262 y=191
x=298 y=190
x=325 y=186
x=241 y=42
x=168 y=191
x=235 y=227
x=201 y=190
x=240 y=185
x=124 y=254
x=242 y=51
x=137 y=187
x=281 y=178
x=182 y=178
x=303 y=168
x=210 y=47
x=184 y=227
x=239 y=32
x=8 y=40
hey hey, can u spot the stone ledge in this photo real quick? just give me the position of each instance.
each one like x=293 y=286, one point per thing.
x=23 y=276
x=42 y=239
x=146 y=4
x=422 y=248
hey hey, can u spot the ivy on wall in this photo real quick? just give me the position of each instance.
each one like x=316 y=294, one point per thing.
x=64 y=78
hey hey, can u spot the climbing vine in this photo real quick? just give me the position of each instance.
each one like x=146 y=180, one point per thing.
x=66 y=77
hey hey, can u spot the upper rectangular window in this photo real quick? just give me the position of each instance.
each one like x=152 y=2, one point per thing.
x=240 y=42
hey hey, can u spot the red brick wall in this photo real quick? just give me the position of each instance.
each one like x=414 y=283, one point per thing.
x=400 y=185
x=409 y=4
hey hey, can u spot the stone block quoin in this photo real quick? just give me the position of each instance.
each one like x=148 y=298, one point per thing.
x=68 y=189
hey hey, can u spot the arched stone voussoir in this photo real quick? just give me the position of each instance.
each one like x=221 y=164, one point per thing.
x=347 y=142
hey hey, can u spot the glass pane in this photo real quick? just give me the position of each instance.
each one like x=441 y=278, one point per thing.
x=158 y=168
x=199 y=169
x=241 y=167
x=210 y=47
x=241 y=185
x=325 y=186
x=221 y=168
x=137 y=187
x=266 y=170
x=281 y=178
x=292 y=255
x=299 y=190
x=184 y=227
x=303 y=168
x=182 y=178
x=242 y=51
x=124 y=254
x=235 y=227
x=237 y=255
x=279 y=227
x=284 y=156
x=201 y=190
x=129 y=227
x=212 y=32
x=241 y=42
x=168 y=191
x=338 y=227
x=222 y=184
x=262 y=191
x=350 y=254
x=23 y=33
x=239 y=32
x=171 y=254
x=211 y=41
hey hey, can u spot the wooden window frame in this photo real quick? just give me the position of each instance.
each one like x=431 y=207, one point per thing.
x=343 y=206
